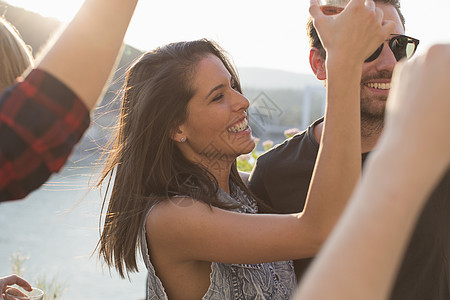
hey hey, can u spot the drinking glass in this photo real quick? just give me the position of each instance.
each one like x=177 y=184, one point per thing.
x=332 y=7
x=13 y=294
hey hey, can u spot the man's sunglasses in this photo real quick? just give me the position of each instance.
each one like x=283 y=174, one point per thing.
x=401 y=45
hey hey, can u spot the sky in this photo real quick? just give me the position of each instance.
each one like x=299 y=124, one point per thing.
x=257 y=33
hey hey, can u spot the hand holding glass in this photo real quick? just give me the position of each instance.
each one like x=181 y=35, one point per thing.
x=17 y=293
x=332 y=7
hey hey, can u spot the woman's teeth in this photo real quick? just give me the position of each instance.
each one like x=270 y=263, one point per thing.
x=379 y=86
x=239 y=127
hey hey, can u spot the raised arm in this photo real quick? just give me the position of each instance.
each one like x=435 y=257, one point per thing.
x=245 y=238
x=42 y=117
x=85 y=53
x=338 y=166
x=362 y=256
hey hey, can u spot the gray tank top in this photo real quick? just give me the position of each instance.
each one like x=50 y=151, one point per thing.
x=233 y=281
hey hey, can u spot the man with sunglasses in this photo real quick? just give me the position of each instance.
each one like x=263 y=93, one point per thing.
x=281 y=177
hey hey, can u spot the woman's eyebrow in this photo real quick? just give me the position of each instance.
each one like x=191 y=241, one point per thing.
x=215 y=89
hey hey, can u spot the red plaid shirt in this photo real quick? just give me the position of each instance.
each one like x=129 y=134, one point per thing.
x=41 y=120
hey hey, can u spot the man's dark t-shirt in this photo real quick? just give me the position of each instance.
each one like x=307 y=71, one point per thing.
x=281 y=179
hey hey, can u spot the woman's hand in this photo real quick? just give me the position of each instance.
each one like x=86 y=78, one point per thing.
x=5 y=282
x=354 y=33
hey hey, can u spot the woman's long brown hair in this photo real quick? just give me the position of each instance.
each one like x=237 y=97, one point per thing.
x=147 y=164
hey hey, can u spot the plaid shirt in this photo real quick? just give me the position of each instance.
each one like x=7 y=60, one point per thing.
x=41 y=120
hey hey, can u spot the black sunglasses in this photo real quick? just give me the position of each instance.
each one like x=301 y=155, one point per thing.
x=401 y=45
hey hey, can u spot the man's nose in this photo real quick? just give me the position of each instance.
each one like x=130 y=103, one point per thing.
x=386 y=61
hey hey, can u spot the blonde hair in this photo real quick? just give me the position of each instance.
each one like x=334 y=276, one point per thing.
x=15 y=56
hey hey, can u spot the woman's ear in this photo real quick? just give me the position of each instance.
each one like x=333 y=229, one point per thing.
x=317 y=63
x=178 y=135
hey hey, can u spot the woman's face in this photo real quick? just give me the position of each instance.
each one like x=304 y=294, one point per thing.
x=216 y=127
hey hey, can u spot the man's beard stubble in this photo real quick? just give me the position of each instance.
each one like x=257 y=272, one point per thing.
x=372 y=117
x=372 y=122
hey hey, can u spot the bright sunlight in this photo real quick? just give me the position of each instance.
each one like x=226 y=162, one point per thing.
x=64 y=10
x=257 y=33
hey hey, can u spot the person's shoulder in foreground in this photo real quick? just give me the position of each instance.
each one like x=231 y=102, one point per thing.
x=41 y=120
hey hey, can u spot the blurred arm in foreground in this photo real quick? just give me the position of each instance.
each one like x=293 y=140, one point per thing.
x=384 y=208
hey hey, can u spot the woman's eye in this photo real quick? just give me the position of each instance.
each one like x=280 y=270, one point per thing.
x=218 y=97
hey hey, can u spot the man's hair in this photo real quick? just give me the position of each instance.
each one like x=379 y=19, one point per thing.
x=314 y=40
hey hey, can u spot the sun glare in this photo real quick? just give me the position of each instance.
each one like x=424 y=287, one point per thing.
x=62 y=10
x=262 y=33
